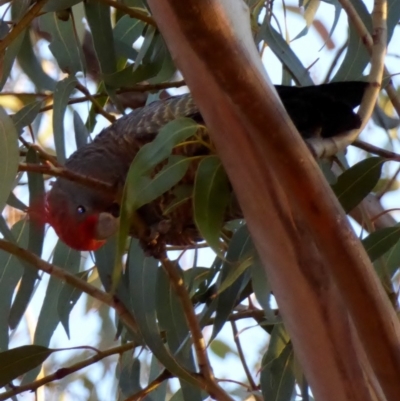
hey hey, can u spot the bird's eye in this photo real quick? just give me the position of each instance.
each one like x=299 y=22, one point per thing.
x=80 y=210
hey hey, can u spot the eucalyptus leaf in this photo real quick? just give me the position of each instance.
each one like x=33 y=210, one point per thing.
x=210 y=200
x=64 y=44
x=9 y=156
x=15 y=362
x=62 y=93
x=357 y=182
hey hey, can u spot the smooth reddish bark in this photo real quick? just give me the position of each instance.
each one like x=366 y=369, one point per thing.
x=299 y=229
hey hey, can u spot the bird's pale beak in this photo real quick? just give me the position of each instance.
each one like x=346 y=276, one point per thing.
x=107 y=226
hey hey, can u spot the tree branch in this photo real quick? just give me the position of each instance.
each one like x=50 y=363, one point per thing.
x=22 y=24
x=283 y=195
x=67 y=174
x=39 y=264
x=63 y=372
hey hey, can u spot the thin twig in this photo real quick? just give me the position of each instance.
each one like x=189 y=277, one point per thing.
x=246 y=369
x=42 y=154
x=69 y=175
x=164 y=375
x=22 y=24
x=63 y=372
x=211 y=386
x=130 y=11
x=97 y=105
x=135 y=88
x=387 y=154
x=39 y=264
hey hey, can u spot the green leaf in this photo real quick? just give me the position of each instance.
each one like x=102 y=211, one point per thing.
x=310 y=9
x=64 y=44
x=31 y=66
x=240 y=248
x=81 y=132
x=172 y=319
x=153 y=153
x=169 y=176
x=160 y=392
x=35 y=245
x=181 y=193
x=143 y=295
x=129 y=374
x=62 y=93
x=125 y=33
x=357 y=57
x=210 y=200
x=26 y=115
x=261 y=286
x=10 y=274
x=98 y=18
x=49 y=319
x=7 y=59
x=283 y=51
x=17 y=361
x=148 y=38
x=357 y=182
x=221 y=349
x=379 y=242
x=9 y=156
x=129 y=76
x=68 y=298
x=36 y=193
x=277 y=372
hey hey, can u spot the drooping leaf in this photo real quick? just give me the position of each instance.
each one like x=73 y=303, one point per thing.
x=148 y=38
x=261 y=286
x=9 y=156
x=240 y=248
x=143 y=295
x=357 y=182
x=98 y=17
x=81 y=132
x=210 y=199
x=11 y=271
x=31 y=66
x=7 y=58
x=62 y=92
x=64 y=44
x=380 y=242
x=310 y=9
x=285 y=54
x=17 y=361
x=26 y=115
x=357 y=57
x=172 y=319
x=126 y=32
x=159 y=393
x=68 y=298
x=128 y=371
x=277 y=373
x=49 y=319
